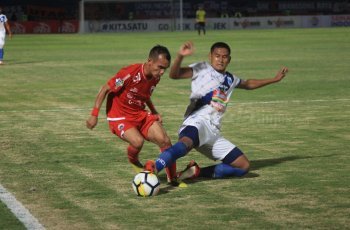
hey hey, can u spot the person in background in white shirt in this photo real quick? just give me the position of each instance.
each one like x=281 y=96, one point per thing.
x=212 y=87
x=4 y=25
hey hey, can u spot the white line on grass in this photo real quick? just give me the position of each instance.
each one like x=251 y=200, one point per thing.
x=22 y=214
x=175 y=106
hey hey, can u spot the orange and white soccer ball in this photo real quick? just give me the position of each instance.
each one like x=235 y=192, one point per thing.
x=146 y=184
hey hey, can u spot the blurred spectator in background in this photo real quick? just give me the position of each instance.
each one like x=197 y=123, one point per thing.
x=224 y=14
x=238 y=14
x=131 y=15
x=200 y=19
x=13 y=17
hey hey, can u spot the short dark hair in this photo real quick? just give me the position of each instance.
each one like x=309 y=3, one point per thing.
x=157 y=50
x=220 y=45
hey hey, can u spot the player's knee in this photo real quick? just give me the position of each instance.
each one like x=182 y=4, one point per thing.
x=237 y=159
x=242 y=163
x=245 y=165
x=164 y=142
x=187 y=142
x=190 y=137
x=137 y=143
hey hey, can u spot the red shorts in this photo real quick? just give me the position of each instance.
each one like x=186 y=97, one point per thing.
x=142 y=122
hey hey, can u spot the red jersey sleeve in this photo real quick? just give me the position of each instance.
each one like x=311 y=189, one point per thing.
x=117 y=82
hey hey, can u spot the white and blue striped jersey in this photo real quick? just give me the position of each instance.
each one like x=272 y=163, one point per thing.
x=3 y=19
x=210 y=92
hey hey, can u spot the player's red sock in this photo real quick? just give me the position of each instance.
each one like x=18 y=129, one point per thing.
x=133 y=155
x=171 y=170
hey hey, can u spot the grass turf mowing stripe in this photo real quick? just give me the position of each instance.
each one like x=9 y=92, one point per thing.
x=172 y=106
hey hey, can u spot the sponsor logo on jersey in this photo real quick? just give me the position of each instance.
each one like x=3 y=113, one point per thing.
x=219 y=97
x=2 y=18
x=135 y=102
x=218 y=106
x=119 y=82
x=137 y=78
x=229 y=80
x=121 y=126
x=129 y=95
x=134 y=90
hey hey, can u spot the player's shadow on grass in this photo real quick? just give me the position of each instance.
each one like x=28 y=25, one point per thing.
x=258 y=164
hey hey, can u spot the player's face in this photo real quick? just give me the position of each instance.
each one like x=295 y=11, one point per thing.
x=157 y=67
x=219 y=59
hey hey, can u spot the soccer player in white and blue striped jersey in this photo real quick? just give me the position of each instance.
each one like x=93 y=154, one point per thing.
x=212 y=87
x=3 y=26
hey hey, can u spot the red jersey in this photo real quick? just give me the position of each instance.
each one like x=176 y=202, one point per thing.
x=130 y=89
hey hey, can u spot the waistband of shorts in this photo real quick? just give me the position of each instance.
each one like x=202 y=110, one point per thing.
x=115 y=118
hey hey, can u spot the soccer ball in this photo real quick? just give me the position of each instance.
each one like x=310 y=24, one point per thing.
x=146 y=184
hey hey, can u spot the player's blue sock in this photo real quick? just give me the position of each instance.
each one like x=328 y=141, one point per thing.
x=221 y=170
x=170 y=155
x=1 y=54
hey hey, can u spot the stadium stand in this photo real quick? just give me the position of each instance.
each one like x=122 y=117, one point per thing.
x=36 y=10
x=42 y=16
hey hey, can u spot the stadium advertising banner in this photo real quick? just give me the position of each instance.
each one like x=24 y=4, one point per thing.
x=93 y=26
x=340 y=20
x=45 y=27
x=219 y=23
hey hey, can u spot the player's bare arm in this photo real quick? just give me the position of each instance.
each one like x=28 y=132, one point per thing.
x=178 y=72
x=258 y=83
x=93 y=119
x=153 y=110
x=151 y=107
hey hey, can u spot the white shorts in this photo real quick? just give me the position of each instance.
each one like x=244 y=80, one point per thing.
x=211 y=143
x=2 y=39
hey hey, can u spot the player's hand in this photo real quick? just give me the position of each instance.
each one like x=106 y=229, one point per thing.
x=91 y=122
x=186 y=49
x=159 y=118
x=281 y=73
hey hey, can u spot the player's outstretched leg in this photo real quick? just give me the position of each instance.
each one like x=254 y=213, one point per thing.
x=133 y=157
x=235 y=163
x=218 y=171
x=222 y=170
x=1 y=55
x=171 y=169
x=172 y=178
x=191 y=171
x=150 y=166
x=167 y=157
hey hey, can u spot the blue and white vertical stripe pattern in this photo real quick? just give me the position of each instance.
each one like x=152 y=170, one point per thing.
x=212 y=90
x=206 y=80
x=3 y=19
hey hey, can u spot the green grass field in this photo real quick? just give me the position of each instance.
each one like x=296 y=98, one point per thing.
x=295 y=133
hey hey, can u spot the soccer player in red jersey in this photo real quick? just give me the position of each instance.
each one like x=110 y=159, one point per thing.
x=129 y=91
